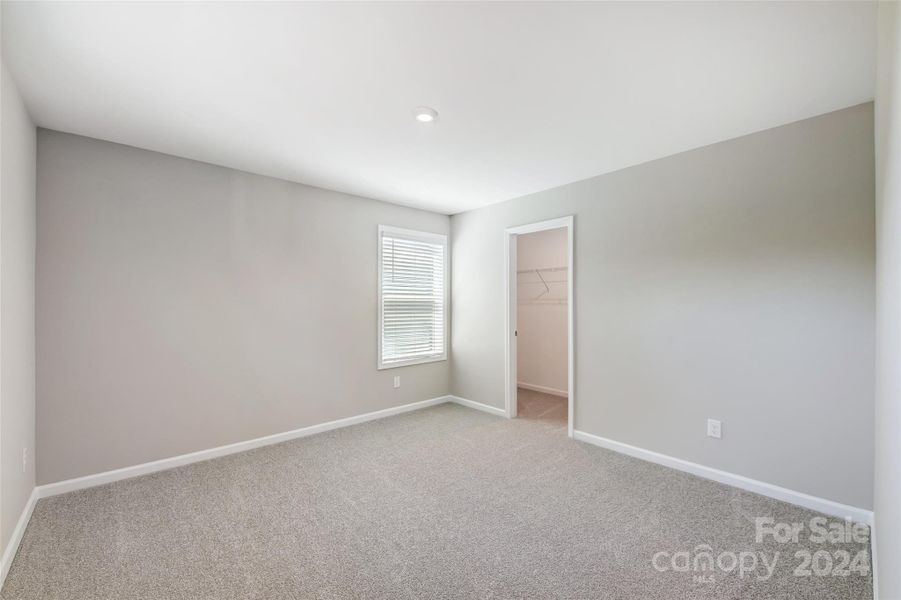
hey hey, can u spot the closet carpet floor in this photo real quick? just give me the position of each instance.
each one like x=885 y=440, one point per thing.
x=444 y=502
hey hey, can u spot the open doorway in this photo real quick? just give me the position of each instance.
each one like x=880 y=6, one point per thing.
x=540 y=348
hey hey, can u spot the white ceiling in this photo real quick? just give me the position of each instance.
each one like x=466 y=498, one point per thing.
x=530 y=95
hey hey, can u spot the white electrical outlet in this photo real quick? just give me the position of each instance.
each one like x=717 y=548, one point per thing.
x=397 y=381
x=714 y=428
x=24 y=460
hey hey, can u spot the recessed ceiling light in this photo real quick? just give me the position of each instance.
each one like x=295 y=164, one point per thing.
x=424 y=114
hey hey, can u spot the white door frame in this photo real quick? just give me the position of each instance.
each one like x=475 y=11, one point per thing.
x=510 y=297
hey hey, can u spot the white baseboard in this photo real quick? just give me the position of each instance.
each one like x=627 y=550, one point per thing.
x=829 y=507
x=9 y=553
x=478 y=406
x=542 y=389
x=79 y=483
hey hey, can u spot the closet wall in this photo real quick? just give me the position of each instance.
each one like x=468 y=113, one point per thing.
x=541 y=311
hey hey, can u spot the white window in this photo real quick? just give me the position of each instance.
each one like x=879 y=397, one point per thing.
x=412 y=297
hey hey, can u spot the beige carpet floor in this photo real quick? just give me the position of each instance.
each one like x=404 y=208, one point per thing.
x=445 y=502
x=553 y=410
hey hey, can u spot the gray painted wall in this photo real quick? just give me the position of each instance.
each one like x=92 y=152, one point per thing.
x=17 y=234
x=887 y=490
x=735 y=281
x=182 y=306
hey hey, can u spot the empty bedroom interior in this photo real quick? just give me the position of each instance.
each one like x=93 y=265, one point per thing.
x=450 y=300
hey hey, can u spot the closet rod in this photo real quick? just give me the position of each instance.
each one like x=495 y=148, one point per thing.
x=543 y=269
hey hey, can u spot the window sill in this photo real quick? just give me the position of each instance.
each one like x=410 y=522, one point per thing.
x=415 y=361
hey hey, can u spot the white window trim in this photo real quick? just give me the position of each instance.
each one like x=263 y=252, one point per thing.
x=425 y=236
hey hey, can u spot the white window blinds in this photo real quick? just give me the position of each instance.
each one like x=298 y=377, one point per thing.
x=412 y=297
